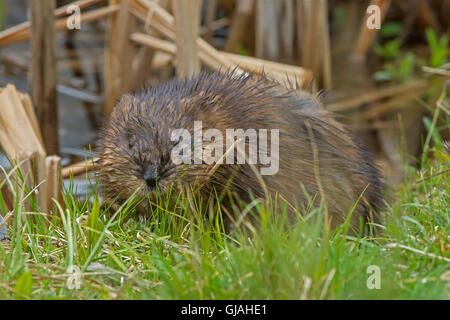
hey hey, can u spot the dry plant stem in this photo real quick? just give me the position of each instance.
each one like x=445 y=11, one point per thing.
x=20 y=138
x=378 y=94
x=187 y=23
x=29 y=110
x=164 y=23
x=438 y=71
x=8 y=198
x=221 y=160
x=241 y=19
x=142 y=66
x=118 y=56
x=428 y=254
x=210 y=17
x=43 y=71
x=393 y=104
x=277 y=71
x=287 y=29
x=79 y=168
x=215 y=25
x=52 y=188
x=21 y=32
x=367 y=35
x=267 y=29
x=155 y=43
x=246 y=210
x=17 y=132
x=444 y=107
x=313 y=31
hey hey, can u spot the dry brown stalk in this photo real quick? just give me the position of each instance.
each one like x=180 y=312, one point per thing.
x=21 y=32
x=377 y=94
x=187 y=24
x=274 y=70
x=241 y=19
x=118 y=56
x=20 y=138
x=367 y=36
x=395 y=103
x=314 y=40
x=79 y=168
x=43 y=71
x=164 y=23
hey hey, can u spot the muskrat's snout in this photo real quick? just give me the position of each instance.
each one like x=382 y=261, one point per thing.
x=151 y=176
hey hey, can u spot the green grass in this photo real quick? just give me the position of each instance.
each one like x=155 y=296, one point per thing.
x=169 y=256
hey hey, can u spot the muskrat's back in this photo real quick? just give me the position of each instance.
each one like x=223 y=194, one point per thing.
x=316 y=154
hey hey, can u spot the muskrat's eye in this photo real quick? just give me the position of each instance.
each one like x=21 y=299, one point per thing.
x=130 y=144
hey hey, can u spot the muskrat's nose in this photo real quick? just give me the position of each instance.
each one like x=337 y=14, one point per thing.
x=150 y=176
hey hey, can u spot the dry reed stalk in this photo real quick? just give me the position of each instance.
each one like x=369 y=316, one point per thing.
x=29 y=110
x=314 y=44
x=118 y=55
x=241 y=20
x=276 y=71
x=378 y=94
x=21 y=32
x=161 y=60
x=20 y=139
x=142 y=66
x=279 y=71
x=51 y=190
x=163 y=22
x=267 y=29
x=24 y=35
x=153 y=42
x=211 y=8
x=87 y=17
x=187 y=24
x=17 y=132
x=217 y=24
x=397 y=102
x=366 y=35
x=287 y=29
x=79 y=168
x=43 y=71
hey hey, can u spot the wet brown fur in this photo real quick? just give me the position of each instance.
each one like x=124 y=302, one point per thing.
x=315 y=150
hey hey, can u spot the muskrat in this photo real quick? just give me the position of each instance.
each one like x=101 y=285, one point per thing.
x=316 y=155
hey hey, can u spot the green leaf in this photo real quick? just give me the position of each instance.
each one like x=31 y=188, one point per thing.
x=407 y=65
x=438 y=48
x=23 y=286
x=391 y=29
x=390 y=50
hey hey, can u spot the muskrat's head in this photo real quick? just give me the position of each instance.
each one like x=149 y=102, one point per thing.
x=136 y=148
x=149 y=131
